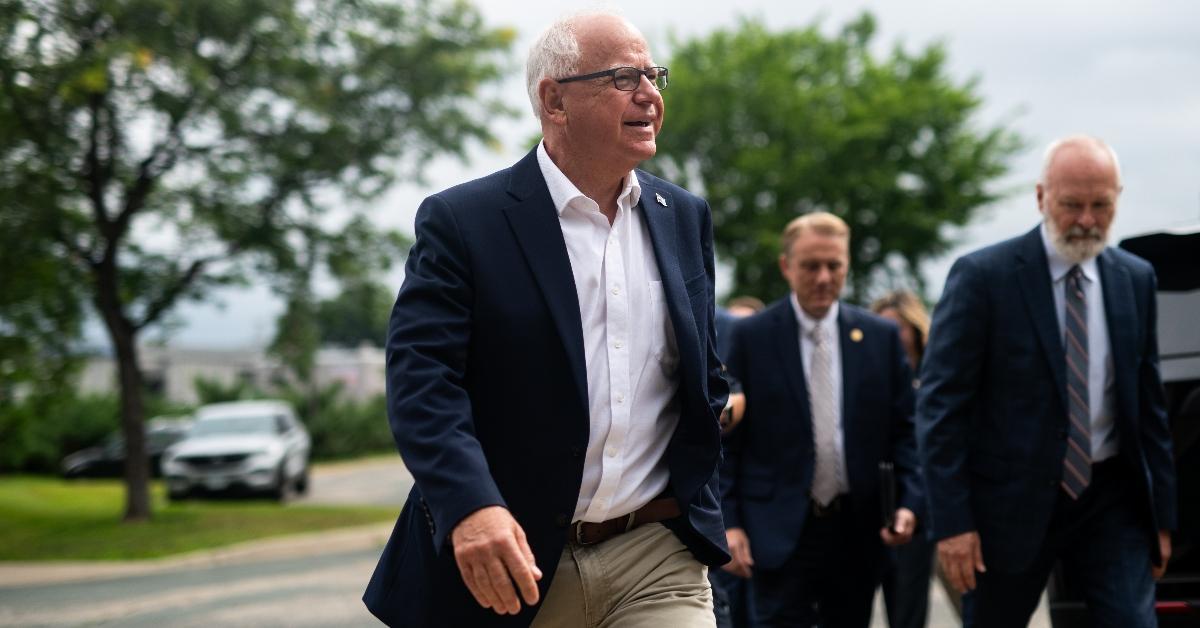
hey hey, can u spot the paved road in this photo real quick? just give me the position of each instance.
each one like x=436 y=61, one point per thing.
x=380 y=481
x=307 y=580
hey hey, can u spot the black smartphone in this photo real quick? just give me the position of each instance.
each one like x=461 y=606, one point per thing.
x=887 y=494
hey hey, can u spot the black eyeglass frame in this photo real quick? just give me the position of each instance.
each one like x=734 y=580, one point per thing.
x=612 y=72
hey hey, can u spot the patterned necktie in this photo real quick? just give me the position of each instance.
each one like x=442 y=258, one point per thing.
x=820 y=397
x=1077 y=464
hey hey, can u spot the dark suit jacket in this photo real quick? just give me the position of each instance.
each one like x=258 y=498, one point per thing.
x=487 y=388
x=991 y=412
x=768 y=468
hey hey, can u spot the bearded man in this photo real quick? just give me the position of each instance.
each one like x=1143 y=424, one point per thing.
x=1040 y=418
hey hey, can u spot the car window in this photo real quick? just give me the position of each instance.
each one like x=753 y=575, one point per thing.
x=252 y=424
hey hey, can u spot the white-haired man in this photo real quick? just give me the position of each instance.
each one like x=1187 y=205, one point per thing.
x=1040 y=418
x=552 y=380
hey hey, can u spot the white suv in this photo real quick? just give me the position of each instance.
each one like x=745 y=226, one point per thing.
x=248 y=446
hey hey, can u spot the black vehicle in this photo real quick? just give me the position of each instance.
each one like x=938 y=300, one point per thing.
x=108 y=458
x=1176 y=259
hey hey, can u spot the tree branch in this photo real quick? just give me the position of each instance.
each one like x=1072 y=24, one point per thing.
x=171 y=293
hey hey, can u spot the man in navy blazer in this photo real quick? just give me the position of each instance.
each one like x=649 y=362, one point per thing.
x=552 y=381
x=828 y=398
x=1040 y=416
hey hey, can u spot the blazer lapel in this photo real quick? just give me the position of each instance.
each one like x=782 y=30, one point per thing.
x=1033 y=274
x=535 y=225
x=851 y=367
x=787 y=331
x=1122 y=327
x=660 y=223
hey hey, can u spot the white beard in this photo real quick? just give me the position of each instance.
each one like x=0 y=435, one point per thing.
x=1077 y=245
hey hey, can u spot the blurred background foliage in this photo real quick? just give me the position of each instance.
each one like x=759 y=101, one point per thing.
x=152 y=151
x=768 y=124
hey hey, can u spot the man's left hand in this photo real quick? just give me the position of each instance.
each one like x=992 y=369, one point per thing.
x=902 y=528
x=732 y=415
x=1164 y=546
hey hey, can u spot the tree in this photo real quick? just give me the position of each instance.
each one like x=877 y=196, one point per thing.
x=162 y=148
x=769 y=125
x=357 y=315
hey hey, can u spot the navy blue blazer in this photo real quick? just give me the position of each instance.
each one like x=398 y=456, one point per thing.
x=768 y=467
x=991 y=412
x=487 y=385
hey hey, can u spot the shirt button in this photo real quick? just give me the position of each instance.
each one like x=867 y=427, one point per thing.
x=620 y=398
x=611 y=452
x=618 y=344
x=616 y=290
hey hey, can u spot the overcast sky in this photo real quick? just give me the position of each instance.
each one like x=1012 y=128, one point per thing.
x=1122 y=70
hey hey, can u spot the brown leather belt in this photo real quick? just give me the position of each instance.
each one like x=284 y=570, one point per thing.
x=588 y=533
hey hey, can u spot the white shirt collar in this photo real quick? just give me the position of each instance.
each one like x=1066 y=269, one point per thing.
x=563 y=191
x=1059 y=266
x=807 y=323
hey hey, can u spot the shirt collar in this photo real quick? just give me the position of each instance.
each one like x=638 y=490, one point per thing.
x=1060 y=266
x=563 y=191
x=807 y=323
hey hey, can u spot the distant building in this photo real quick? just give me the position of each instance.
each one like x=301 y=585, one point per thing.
x=172 y=372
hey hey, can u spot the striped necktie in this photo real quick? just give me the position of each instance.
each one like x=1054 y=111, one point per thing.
x=824 y=420
x=1077 y=464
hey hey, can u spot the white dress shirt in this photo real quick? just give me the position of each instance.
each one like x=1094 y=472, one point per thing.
x=806 y=324
x=1101 y=385
x=629 y=346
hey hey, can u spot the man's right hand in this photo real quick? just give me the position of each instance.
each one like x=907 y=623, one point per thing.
x=739 y=549
x=492 y=553
x=961 y=556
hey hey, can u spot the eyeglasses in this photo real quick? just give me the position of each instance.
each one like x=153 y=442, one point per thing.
x=626 y=79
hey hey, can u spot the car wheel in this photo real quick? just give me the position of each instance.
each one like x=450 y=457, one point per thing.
x=283 y=489
x=302 y=482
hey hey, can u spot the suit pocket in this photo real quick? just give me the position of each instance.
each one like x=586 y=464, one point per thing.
x=695 y=285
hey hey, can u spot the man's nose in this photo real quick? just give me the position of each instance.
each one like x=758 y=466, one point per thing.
x=646 y=92
x=1087 y=218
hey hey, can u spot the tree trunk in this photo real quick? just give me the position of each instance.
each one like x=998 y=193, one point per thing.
x=133 y=420
x=133 y=410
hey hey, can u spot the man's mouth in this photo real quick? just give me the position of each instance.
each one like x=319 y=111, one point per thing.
x=638 y=123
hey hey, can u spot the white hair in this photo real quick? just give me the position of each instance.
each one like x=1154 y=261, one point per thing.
x=1076 y=140
x=556 y=54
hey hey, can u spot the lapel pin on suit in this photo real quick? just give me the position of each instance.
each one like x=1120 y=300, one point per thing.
x=856 y=335
x=659 y=197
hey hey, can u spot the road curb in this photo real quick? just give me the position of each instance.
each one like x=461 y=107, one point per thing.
x=17 y=574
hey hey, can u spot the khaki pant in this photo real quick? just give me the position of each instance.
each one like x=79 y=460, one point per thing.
x=643 y=578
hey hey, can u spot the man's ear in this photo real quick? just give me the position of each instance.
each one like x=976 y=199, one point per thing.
x=550 y=95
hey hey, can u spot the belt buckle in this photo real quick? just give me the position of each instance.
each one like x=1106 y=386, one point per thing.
x=577 y=533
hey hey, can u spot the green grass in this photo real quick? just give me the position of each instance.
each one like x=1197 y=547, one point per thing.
x=52 y=519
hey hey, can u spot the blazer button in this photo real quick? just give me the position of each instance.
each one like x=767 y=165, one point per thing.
x=1062 y=434
x=576 y=451
x=562 y=520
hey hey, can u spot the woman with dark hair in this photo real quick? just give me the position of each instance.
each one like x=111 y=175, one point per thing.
x=906 y=575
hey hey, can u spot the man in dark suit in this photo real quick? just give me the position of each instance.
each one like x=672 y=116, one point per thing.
x=828 y=398
x=552 y=382
x=1040 y=416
